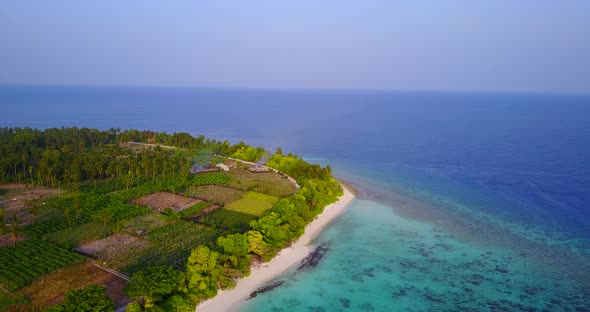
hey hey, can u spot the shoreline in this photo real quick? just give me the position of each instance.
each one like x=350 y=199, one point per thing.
x=231 y=299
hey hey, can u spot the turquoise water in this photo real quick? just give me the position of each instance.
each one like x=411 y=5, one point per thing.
x=379 y=261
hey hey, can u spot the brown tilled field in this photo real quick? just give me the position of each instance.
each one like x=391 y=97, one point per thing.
x=15 y=199
x=162 y=200
x=116 y=249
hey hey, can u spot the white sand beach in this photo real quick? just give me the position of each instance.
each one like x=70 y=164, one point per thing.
x=230 y=300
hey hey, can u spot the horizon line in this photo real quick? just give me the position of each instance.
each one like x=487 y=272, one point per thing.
x=376 y=90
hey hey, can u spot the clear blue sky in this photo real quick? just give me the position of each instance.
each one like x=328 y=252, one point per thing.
x=496 y=45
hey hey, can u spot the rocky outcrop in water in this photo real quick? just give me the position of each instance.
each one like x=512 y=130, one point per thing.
x=264 y=289
x=312 y=260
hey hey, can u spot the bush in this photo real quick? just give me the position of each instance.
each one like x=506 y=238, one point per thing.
x=92 y=298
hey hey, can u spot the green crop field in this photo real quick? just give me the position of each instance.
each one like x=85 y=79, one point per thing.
x=30 y=259
x=253 y=203
x=234 y=221
x=194 y=210
x=216 y=193
x=218 y=178
x=74 y=236
x=270 y=183
x=172 y=243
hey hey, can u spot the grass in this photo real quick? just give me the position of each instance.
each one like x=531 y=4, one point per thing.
x=216 y=193
x=75 y=236
x=270 y=183
x=253 y=203
x=234 y=221
x=194 y=210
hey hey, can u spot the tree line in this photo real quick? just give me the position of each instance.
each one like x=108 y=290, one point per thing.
x=68 y=156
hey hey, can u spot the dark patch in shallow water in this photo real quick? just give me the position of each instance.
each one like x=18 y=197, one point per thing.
x=400 y=293
x=265 y=289
x=345 y=302
x=314 y=258
x=474 y=279
x=367 y=307
x=369 y=272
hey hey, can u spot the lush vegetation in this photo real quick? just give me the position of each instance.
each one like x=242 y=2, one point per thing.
x=22 y=263
x=177 y=263
x=154 y=284
x=76 y=209
x=92 y=298
x=248 y=153
x=208 y=268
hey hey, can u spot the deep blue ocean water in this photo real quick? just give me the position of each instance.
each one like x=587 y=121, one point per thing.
x=466 y=201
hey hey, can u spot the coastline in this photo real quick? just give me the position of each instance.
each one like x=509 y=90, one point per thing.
x=231 y=299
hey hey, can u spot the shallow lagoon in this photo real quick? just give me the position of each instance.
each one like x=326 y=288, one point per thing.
x=379 y=261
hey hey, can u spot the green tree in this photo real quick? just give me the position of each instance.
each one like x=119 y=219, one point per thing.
x=105 y=217
x=203 y=272
x=134 y=307
x=2 y=224
x=257 y=245
x=155 y=283
x=34 y=210
x=77 y=208
x=92 y=298
x=14 y=229
x=235 y=252
x=178 y=303
x=68 y=214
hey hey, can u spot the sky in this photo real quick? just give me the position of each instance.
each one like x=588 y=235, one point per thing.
x=496 y=45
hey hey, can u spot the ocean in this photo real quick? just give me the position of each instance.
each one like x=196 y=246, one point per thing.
x=466 y=201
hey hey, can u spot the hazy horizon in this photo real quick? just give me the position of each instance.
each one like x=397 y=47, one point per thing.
x=302 y=89
x=455 y=46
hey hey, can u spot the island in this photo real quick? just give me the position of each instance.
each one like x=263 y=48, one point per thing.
x=148 y=221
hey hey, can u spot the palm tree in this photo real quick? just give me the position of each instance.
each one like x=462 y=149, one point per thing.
x=2 y=225
x=68 y=214
x=14 y=230
x=34 y=211
x=105 y=217
x=77 y=209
